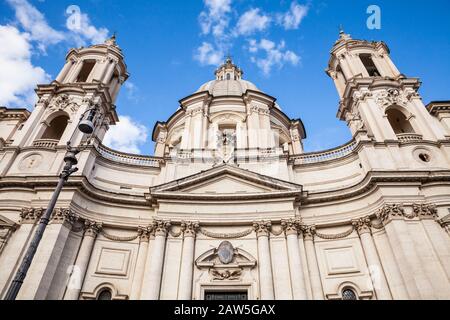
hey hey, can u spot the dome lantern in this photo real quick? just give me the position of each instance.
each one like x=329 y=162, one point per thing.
x=229 y=71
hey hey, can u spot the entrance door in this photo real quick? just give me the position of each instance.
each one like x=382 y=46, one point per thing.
x=226 y=295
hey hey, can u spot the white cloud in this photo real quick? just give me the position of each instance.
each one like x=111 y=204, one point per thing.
x=252 y=21
x=82 y=30
x=207 y=54
x=18 y=76
x=294 y=17
x=29 y=33
x=214 y=19
x=274 y=55
x=33 y=22
x=126 y=136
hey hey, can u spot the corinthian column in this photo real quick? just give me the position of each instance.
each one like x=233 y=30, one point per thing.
x=187 y=260
x=265 y=265
x=144 y=237
x=291 y=228
x=379 y=281
x=313 y=267
x=79 y=271
x=152 y=288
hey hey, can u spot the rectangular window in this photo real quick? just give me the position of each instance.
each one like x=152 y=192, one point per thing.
x=85 y=71
x=369 y=65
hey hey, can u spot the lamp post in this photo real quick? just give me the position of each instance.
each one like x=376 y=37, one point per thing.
x=86 y=126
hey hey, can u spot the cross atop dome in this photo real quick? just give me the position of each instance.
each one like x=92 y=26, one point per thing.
x=228 y=70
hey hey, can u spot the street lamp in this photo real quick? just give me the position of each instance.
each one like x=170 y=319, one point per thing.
x=87 y=127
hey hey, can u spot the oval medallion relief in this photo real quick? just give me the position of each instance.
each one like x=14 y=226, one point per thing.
x=225 y=252
x=31 y=162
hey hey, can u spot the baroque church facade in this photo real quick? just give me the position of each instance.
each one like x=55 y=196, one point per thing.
x=230 y=206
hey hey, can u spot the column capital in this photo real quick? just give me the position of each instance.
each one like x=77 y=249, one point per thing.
x=189 y=228
x=91 y=228
x=144 y=234
x=161 y=227
x=64 y=216
x=31 y=215
x=425 y=211
x=262 y=228
x=291 y=226
x=309 y=232
x=362 y=225
x=390 y=212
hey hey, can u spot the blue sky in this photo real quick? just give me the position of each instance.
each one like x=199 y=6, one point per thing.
x=171 y=48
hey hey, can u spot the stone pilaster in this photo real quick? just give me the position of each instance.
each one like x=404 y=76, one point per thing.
x=91 y=230
x=38 y=280
x=136 y=285
x=187 y=260
x=314 y=272
x=151 y=288
x=363 y=227
x=291 y=229
x=393 y=218
x=262 y=230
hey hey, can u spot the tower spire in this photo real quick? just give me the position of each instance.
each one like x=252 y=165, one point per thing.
x=112 y=41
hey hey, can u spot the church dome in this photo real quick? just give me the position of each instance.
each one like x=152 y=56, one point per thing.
x=219 y=88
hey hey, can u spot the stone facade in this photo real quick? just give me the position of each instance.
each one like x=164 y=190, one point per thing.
x=230 y=202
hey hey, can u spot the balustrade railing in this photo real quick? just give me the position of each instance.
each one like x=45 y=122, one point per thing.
x=332 y=154
x=46 y=143
x=409 y=137
x=145 y=161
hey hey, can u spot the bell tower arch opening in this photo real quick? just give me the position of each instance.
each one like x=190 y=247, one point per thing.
x=56 y=128
x=398 y=121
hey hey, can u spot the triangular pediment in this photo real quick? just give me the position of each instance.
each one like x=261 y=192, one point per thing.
x=226 y=182
x=7 y=223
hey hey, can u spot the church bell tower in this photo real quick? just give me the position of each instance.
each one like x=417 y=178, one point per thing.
x=91 y=77
x=377 y=100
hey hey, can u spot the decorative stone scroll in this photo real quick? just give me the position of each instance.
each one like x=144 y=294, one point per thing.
x=63 y=102
x=216 y=235
x=226 y=275
x=117 y=238
x=335 y=236
x=226 y=263
x=390 y=97
x=419 y=210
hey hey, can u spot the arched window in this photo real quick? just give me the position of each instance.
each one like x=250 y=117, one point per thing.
x=369 y=65
x=349 y=294
x=105 y=294
x=228 y=76
x=398 y=122
x=86 y=70
x=56 y=128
